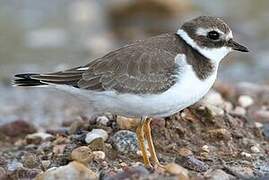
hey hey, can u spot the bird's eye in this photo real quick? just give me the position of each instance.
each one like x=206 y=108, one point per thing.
x=214 y=35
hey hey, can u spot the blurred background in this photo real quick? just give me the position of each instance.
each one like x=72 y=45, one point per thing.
x=37 y=35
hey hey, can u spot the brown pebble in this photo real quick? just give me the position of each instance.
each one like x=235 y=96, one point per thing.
x=82 y=154
x=220 y=134
x=97 y=144
x=127 y=123
x=178 y=170
x=30 y=160
x=17 y=128
x=184 y=152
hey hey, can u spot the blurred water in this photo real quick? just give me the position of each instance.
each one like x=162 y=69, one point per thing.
x=37 y=35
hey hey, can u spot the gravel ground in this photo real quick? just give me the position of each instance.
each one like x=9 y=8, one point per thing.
x=224 y=136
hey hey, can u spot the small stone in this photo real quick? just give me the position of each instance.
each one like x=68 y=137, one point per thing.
x=94 y=134
x=102 y=120
x=255 y=149
x=177 y=170
x=184 y=152
x=245 y=154
x=27 y=173
x=245 y=101
x=82 y=154
x=14 y=165
x=213 y=98
x=98 y=155
x=218 y=174
x=127 y=123
x=137 y=172
x=74 y=170
x=17 y=128
x=220 y=134
x=241 y=172
x=258 y=124
x=193 y=163
x=215 y=111
x=45 y=164
x=37 y=138
x=30 y=160
x=97 y=144
x=239 y=111
x=205 y=148
x=262 y=116
x=124 y=141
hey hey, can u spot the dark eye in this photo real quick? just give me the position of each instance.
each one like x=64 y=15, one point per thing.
x=214 y=35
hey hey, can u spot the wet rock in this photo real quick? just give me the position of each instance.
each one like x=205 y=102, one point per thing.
x=218 y=174
x=127 y=123
x=37 y=138
x=30 y=160
x=220 y=134
x=125 y=142
x=130 y=173
x=74 y=170
x=82 y=154
x=178 y=170
x=17 y=128
x=95 y=134
x=245 y=101
x=98 y=155
x=102 y=120
x=190 y=162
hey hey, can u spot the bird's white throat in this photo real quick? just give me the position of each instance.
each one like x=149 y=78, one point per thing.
x=214 y=54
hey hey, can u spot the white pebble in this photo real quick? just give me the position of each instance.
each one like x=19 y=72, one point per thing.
x=206 y=148
x=213 y=98
x=255 y=149
x=102 y=120
x=258 y=124
x=42 y=135
x=245 y=101
x=95 y=134
x=245 y=154
x=239 y=111
x=99 y=155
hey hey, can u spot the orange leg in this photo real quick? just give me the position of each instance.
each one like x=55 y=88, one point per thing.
x=147 y=131
x=141 y=142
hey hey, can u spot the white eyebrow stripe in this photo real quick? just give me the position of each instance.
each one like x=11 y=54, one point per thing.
x=203 y=31
x=83 y=68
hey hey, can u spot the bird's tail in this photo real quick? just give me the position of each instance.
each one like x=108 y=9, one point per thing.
x=27 y=80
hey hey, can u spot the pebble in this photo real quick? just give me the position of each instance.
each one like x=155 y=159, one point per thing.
x=214 y=110
x=245 y=154
x=205 y=148
x=98 y=155
x=193 y=163
x=94 y=134
x=97 y=144
x=30 y=160
x=177 y=170
x=74 y=170
x=220 y=134
x=241 y=172
x=14 y=165
x=37 y=138
x=82 y=154
x=240 y=111
x=127 y=123
x=213 y=98
x=262 y=116
x=255 y=149
x=124 y=141
x=136 y=172
x=184 y=152
x=218 y=174
x=17 y=128
x=245 y=101
x=103 y=120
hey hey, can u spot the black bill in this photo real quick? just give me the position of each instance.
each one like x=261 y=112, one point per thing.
x=236 y=46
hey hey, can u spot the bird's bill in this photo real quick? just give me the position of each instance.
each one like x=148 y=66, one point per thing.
x=236 y=46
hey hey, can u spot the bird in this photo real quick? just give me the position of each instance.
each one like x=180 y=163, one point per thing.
x=151 y=78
